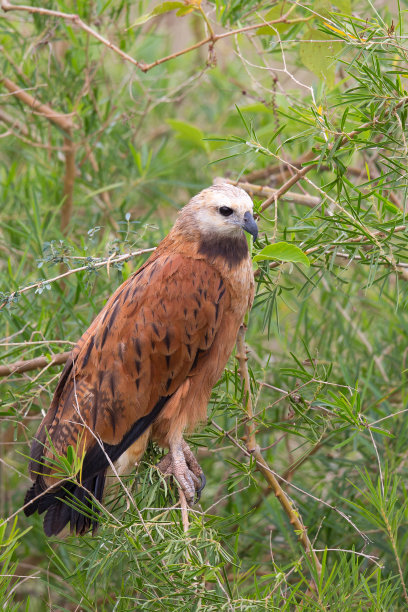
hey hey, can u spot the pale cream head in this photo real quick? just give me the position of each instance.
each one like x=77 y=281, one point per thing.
x=220 y=210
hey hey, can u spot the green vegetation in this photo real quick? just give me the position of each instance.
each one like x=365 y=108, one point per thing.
x=307 y=99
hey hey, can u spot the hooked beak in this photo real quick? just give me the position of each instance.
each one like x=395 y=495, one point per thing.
x=249 y=225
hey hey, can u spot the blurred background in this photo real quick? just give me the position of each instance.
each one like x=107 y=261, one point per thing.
x=112 y=115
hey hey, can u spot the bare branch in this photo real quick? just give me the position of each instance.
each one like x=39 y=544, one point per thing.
x=299 y=174
x=209 y=40
x=254 y=450
x=62 y=120
x=269 y=192
x=75 y=19
x=24 y=365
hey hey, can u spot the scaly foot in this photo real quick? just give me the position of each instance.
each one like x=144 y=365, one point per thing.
x=182 y=464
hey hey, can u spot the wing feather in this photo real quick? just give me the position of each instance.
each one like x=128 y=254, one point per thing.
x=140 y=348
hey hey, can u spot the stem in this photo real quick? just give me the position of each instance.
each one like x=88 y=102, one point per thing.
x=252 y=447
x=395 y=550
x=241 y=355
x=69 y=179
x=99 y=264
x=184 y=511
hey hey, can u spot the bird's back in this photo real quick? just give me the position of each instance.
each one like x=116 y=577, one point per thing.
x=137 y=352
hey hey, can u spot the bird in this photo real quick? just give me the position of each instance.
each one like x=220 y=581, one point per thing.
x=145 y=368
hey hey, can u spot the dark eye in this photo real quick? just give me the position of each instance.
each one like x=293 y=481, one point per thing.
x=226 y=211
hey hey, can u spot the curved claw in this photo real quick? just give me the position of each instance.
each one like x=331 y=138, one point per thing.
x=201 y=487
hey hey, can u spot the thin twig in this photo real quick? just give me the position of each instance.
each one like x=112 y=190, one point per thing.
x=209 y=40
x=76 y=20
x=371 y=558
x=254 y=451
x=106 y=262
x=69 y=179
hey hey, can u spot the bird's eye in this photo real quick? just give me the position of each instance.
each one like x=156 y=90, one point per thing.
x=226 y=211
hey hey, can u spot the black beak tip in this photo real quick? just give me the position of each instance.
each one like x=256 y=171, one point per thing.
x=250 y=225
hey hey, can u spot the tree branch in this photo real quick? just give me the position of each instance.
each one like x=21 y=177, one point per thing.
x=253 y=449
x=99 y=264
x=211 y=40
x=269 y=192
x=65 y=123
x=299 y=174
x=75 y=19
x=61 y=120
x=24 y=365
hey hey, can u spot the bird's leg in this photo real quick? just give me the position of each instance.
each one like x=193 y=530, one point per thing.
x=194 y=467
x=181 y=463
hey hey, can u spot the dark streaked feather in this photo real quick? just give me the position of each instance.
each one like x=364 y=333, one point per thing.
x=135 y=355
x=94 y=469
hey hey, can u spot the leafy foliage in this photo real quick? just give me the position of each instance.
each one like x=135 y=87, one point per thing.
x=315 y=90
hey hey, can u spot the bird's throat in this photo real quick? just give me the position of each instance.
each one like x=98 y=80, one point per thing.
x=232 y=249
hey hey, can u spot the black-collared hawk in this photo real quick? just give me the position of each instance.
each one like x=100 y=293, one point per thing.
x=147 y=364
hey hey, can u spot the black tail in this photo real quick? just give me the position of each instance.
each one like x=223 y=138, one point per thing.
x=65 y=503
x=70 y=503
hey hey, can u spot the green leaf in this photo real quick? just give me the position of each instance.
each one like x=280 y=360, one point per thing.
x=317 y=52
x=166 y=7
x=70 y=454
x=257 y=107
x=275 y=13
x=188 y=132
x=283 y=251
x=323 y=8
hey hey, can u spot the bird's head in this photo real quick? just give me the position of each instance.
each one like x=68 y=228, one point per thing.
x=221 y=210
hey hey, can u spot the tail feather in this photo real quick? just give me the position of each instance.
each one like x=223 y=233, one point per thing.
x=31 y=494
x=67 y=503
x=71 y=503
x=57 y=516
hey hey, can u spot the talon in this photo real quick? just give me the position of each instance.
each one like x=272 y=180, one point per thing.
x=201 y=487
x=183 y=466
